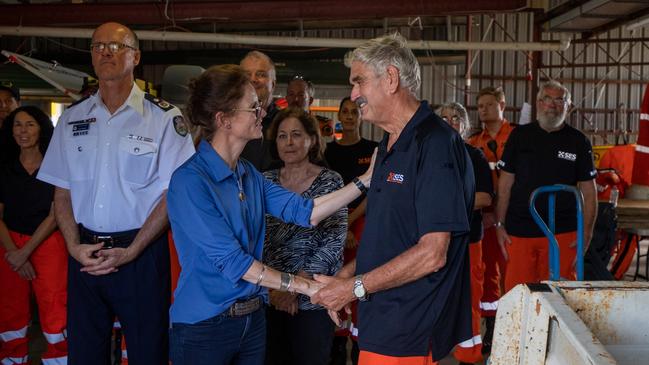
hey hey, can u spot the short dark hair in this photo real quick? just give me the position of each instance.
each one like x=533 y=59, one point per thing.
x=11 y=148
x=340 y=109
x=496 y=92
x=311 y=127
x=217 y=89
x=342 y=102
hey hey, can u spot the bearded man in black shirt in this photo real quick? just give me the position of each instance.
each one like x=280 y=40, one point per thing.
x=542 y=153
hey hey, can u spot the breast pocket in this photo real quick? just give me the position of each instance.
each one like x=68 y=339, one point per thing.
x=82 y=157
x=136 y=159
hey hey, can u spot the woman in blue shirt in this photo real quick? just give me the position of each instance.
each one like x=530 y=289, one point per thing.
x=216 y=205
x=300 y=332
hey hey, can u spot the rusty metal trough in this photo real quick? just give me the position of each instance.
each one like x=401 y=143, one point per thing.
x=573 y=323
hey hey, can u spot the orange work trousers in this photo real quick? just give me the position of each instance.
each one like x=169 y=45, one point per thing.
x=50 y=262
x=529 y=261
x=470 y=351
x=372 y=358
x=494 y=273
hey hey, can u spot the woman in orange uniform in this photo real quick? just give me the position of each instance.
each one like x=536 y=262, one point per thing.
x=33 y=252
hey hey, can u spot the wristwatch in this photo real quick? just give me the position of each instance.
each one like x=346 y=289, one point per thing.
x=499 y=224
x=359 y=289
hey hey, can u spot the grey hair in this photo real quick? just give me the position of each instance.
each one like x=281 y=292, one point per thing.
x=460 y=110
x=391 y=49
x=554 y=85
x=262 y=56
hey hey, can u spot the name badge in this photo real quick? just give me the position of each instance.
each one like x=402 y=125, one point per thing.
x=83 y=121
x=139 y=138
x=81 y=127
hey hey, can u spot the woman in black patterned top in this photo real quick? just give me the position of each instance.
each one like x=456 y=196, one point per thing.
x=298 y=331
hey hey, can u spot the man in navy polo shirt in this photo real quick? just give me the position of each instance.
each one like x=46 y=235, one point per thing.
x=411 y=273
x=542 y=153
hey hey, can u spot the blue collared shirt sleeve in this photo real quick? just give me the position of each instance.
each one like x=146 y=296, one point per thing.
x=286 y=205
x=198 y=220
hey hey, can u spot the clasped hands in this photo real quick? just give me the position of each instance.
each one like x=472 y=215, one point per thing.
x=332 y=292
x=18 y=260
x=99 y=261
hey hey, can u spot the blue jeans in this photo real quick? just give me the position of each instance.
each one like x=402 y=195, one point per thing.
x=220 y=340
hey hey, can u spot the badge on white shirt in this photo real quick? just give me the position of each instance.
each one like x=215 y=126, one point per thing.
x=81 y=127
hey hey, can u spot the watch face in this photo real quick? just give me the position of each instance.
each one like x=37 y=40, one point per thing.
x=359 y=291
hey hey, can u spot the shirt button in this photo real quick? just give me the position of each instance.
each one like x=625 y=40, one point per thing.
x=101 y=205
x=108 y=123
x=378 y=190
x=106 y=164
x=103 y=185
x=107 y=143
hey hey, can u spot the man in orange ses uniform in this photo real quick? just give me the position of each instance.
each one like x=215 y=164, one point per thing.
x=496 y=130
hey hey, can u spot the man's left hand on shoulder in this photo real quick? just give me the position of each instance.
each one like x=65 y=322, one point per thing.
x=113 y=259
x=336 y=294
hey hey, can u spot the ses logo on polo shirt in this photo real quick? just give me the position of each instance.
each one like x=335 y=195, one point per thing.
x=567 y=156
x=364 y=160
x=395 y=178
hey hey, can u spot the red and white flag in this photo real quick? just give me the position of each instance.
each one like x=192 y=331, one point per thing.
x=641 y=160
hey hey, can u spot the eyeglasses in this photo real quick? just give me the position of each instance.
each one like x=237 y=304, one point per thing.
x=256 y=109
x=113 y=47
x=556 y=101
x=455 y=120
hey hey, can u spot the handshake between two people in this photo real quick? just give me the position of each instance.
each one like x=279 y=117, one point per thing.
x=332 y=292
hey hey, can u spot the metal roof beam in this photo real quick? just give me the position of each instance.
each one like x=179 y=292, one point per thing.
x=153 y=13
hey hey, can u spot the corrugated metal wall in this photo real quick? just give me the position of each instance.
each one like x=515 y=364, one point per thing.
x=506 y=69
x=606 y=75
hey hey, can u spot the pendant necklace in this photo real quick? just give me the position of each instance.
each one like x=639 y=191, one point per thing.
x=242 y=196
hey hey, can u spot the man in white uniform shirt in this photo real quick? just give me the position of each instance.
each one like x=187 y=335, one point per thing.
x=111 y=159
